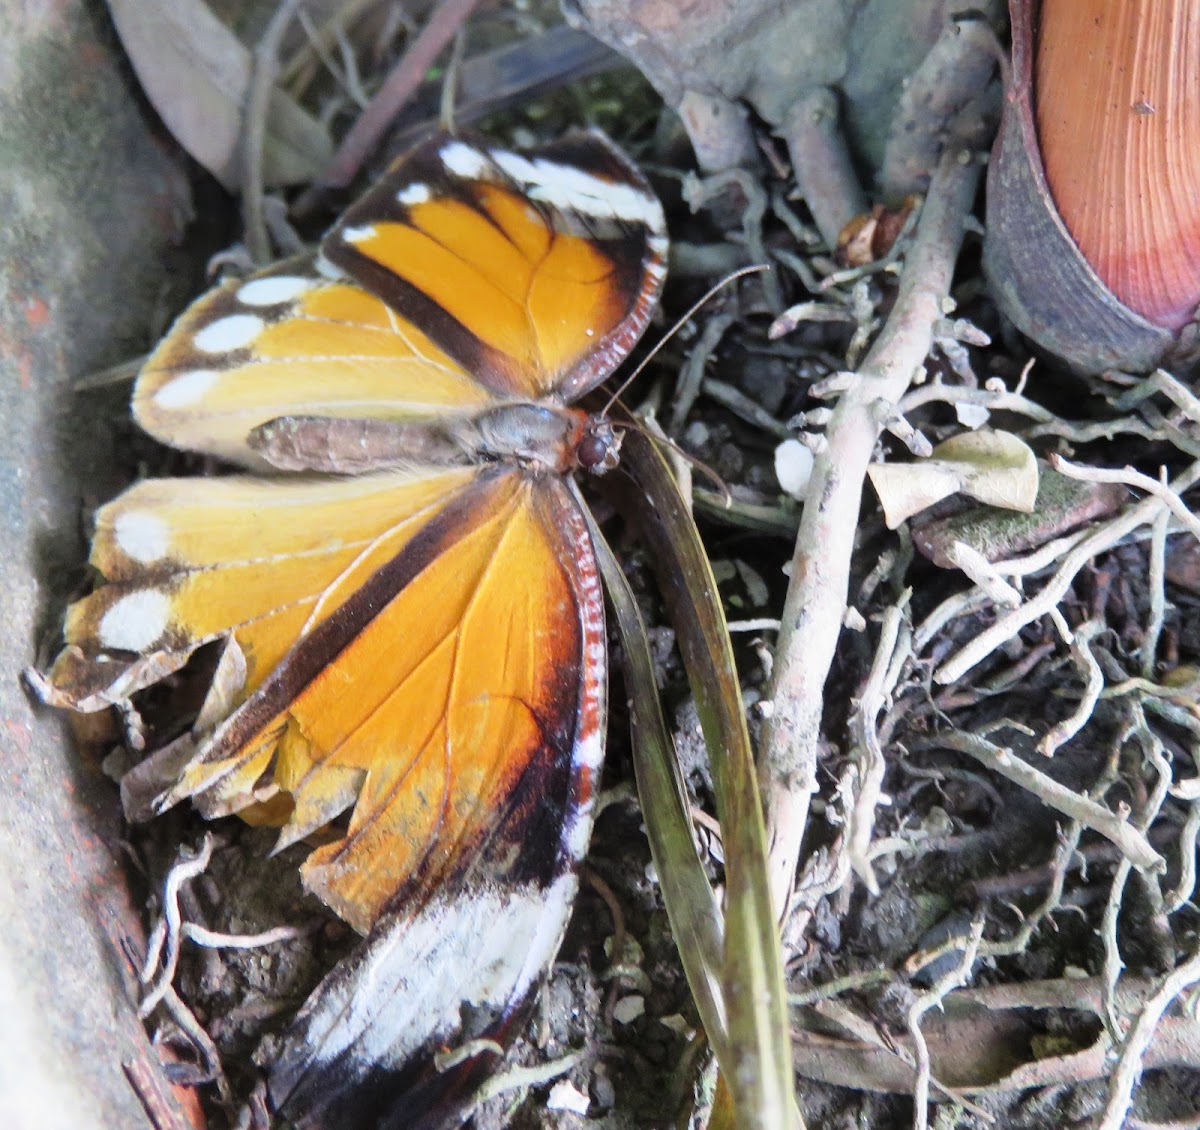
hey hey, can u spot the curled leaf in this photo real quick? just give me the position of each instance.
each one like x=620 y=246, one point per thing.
x=992 y=467
x=197 y=74
x=1038 y=275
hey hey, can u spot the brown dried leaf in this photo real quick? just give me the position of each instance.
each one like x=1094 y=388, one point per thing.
x=197 y=74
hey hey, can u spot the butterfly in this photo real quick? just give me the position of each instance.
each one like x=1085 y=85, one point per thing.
x=403 y=582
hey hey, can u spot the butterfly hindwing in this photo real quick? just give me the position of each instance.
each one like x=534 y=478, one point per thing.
x=481 y=936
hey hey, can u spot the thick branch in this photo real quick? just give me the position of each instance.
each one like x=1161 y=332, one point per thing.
x=816 y=599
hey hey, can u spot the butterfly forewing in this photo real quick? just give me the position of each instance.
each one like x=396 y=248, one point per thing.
x=536 y=271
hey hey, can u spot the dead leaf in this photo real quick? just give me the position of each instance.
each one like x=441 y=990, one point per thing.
x=197 y=74
x=992 y=467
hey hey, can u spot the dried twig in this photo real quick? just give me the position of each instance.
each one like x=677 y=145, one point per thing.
x=817 y=595
x=1069 y=727
x=1127 y=475
x=437 y=34
x=266 y=70
x=1128 y=838
x=868 y=751
x=1129 y=1066
x=1096 y=541
x=954 y=979
x=166 y=939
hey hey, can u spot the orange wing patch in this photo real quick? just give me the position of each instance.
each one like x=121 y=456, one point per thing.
x=430 y=716
x=190 y=559
x=292 y=342
x=533 y=266
x=540 y=298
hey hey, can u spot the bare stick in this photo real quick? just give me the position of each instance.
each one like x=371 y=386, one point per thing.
x=956 y=978
x=1101 y=538
x=441 y=28
x=1132 y=478
x=1158 y=595
x=1082 y=653
x=1129 y=1066
x=817 y=595
x=1181 y=396
x=868 y=751
x=1129 y=839
x=266 y=70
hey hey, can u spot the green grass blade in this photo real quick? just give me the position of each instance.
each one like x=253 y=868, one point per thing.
x=691 y=904
x=757 y=1062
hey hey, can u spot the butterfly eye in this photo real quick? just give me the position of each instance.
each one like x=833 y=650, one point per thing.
x=599 y=449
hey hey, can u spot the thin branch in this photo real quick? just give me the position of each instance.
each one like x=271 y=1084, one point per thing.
x=955 y=978
x=366 y=133
x=1129 y=1066
x=266 y=70
x=1129 y=477
x=1097 y=541
x=1069 y=727
x=1129 y=839
x=817 y=594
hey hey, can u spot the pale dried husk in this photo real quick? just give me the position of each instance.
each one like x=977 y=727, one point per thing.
x=1038 y=275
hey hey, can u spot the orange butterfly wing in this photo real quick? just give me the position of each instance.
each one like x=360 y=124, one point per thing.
x=423 y=646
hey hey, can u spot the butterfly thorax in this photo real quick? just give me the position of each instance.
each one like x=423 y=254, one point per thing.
x=539 y=437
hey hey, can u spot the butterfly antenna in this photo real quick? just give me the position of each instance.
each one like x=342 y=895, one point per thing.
x=449 y=95
x=715 y=289
x=653 y=430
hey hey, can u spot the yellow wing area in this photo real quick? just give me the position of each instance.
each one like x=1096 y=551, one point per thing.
x=455 y=691
x=541 y=298
x=292 y=342
x=190 y=559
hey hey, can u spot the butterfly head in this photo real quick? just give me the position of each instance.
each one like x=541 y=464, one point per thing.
x=599 y=446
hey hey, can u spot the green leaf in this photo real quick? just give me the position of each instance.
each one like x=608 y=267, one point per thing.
x=688 y=896
x=756 y=1062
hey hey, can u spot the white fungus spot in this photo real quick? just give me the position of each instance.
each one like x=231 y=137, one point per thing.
x=231 y=332
x=136 y=621
x=564 y=1095
x=272 y=291
x=629 y=1008
x=793 y=467
x=186 y=389
x=141 y=535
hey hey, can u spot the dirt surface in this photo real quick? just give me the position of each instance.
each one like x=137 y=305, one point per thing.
x=94 y=199
x=922 y=840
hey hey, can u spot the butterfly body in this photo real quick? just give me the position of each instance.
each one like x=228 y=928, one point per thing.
x=402 y=577
x=541 y=438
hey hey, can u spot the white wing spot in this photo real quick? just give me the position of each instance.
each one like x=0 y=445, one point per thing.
x=136 y=621
x=142 y=536
x=273 y=291
x=519 y=168
x=229 y=333
x=186 y=389
x=463 y=160
x=413 y=194
x=358 y=235
x=574 y=190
